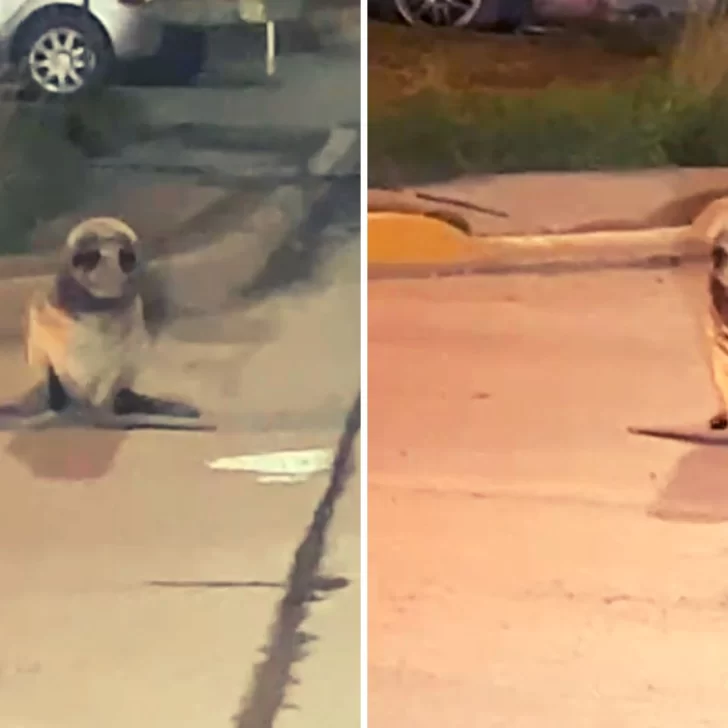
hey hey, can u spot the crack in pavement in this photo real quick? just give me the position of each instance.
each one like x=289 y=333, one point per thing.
x=266 y=695
x=607 y=502
x=559 y=592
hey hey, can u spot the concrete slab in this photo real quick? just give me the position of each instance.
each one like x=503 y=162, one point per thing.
x=154 y=207
x=135 y=577
x=172 y=155
x=80 y=557
x=327 y=691
x=311 y=91
x=530 y=562
x=271 y=346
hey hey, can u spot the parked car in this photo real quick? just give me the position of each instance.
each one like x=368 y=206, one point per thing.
x=62 y=48
x=515 y=13
x=455 y=13
x=506 y=14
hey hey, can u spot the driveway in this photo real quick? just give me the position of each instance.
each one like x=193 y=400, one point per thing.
x=530 y=562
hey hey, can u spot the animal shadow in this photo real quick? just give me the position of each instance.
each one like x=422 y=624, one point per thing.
x=697 y=490
x=73 y=454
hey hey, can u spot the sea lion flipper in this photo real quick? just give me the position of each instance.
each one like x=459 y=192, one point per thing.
x=692 y=435
x=129 y=402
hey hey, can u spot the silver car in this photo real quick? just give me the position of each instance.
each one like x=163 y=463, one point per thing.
x=65 y=47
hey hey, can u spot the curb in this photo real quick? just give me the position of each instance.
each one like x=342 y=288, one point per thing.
x=553 y=253
x=264 y=230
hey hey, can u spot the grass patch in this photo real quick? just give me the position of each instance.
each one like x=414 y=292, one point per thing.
x=44 y=152
x=103 y=122
x=406 y=60
x=574 y=101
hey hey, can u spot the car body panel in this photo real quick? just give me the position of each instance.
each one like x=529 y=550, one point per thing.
x=665 y=7
x=516 y=12
x=132 y=30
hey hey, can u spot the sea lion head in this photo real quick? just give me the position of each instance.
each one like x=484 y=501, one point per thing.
x=101 y=258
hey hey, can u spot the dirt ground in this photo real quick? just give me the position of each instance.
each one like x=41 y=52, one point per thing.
x=530 y=562
x=404 y=60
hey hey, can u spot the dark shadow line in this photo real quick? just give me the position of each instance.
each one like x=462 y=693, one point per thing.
x=710 y=438
x=465 y=204
x=286 y=643
x=216 y=584
x=296 y=260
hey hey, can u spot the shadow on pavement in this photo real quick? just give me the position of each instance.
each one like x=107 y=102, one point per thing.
x=68 y=454
x=189 y=55
x=296 y=261
x=287 y=640
x=216 y=584
x=697 y=491
x=178 y=62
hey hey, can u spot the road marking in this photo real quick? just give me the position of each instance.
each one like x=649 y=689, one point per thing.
x=340 y=140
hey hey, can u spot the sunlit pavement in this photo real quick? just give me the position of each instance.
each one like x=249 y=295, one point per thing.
x=518 y=573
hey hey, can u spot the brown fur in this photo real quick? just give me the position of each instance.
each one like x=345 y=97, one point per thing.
x=86 y=334
x=710 y=226
x=717 y=327
x=711 y=221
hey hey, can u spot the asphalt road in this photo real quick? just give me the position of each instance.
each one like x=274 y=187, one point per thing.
x=140 y=587
x=530 y=563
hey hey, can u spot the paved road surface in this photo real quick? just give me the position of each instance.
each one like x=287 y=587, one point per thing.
x=311 y=90
x=137 y=586
x=519 y=573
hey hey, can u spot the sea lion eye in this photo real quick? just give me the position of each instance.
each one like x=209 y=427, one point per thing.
x=127 y=260
x=86 y=260
x=719 y=256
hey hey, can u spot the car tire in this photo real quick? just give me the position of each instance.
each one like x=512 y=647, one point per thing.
x=46 y=38
x=439 y=18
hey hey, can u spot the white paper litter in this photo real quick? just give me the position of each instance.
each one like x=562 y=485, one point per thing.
x=282 y=478
x=288 y=466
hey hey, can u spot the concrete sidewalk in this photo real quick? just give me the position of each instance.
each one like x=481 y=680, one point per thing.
x=212 y=243
x=309 y=91
x=540 y=221
x=537 y=203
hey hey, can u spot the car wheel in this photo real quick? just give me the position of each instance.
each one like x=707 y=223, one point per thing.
x=62 y=53
x=454 y=13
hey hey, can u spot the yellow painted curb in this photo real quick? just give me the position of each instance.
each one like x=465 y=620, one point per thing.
x=397 y=238
x=400 y=237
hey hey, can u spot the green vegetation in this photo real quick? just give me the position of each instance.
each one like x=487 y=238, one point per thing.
x=44 y=152
x=655 y=104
